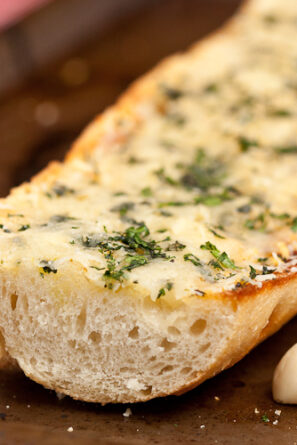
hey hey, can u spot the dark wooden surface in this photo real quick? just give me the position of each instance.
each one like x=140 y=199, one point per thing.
x=37 y=124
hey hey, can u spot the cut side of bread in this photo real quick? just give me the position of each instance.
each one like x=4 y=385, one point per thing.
x=164 y=248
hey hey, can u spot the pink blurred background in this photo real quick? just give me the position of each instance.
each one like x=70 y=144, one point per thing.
x=13 y=10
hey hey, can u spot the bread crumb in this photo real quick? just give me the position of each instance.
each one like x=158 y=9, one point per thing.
x=70 y=429
x=256 y=411
x=217 y=398
x=127 y=413
x=278 y=412
x=7 y=406
x=28 y=406
x=60 y=395
x=202 y=426
x=275 y=422
x=135 y=385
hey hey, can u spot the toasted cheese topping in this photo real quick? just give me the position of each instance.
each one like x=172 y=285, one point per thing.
x=192 y=190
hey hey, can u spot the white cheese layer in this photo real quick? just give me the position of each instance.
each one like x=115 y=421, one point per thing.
x=195 y=191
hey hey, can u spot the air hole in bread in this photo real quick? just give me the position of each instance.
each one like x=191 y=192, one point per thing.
x=81 y=319
x=167 y=368
x=198 y=327
x=72 y=343
x=153 y=358
x=134 y=333
x=147 y=391
x=186 y=370
x=25 y=303
x=167 y=345
x=204 y=347
x=33 y=361
x=172 y=330
x=126 y=369
x=13 y=301
x=95 y=337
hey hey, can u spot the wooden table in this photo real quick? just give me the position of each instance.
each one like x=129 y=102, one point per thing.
x=38 y=122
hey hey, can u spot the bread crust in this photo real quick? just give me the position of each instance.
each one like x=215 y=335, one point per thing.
x=273 y=304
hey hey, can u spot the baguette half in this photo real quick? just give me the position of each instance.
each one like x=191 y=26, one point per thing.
x=164 y=248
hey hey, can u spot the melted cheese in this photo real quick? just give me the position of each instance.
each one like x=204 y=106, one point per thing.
x=210 y=163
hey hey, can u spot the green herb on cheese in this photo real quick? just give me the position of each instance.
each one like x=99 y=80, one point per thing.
x=164 y=177
x=289 y=149
x=257 y=223
x=47 y=267
x=162 y=291
x=223 y=260
x=193 y=259
x=172 y=93
x=147 y=192
x=123 y=208
x=253 y=272
x=245 y=143
x=24 y=227
x=203 y=173
x=294 y=225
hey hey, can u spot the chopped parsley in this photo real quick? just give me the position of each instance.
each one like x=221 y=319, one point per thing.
x=60 y=190
x=267 y=271
x=176 y=246
x=222 y=259
x=163 y=290
x=193 y=258
x=165 y=178
x=47 y=267
x=290 y=149
x=294 y=225
x=24 y=227
x=203 y=173
x=165 y=213
x=265 y=419
x=280 y=113
x=216 y=234
x=147 y=192
x=123 y=208
x=171 y=92
x=212 y=200
x=172 y=204
x=253 y=272
x=133 y=160
x=246 y=208
x=135 y=261
x=257 y=223
x=4 y=228
x=139 y=249
x=262 y=260
x=211 y=88
x=161 y=293
x=245 y=143
x=61 y=218
x=280 y=216
x=97 y=268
